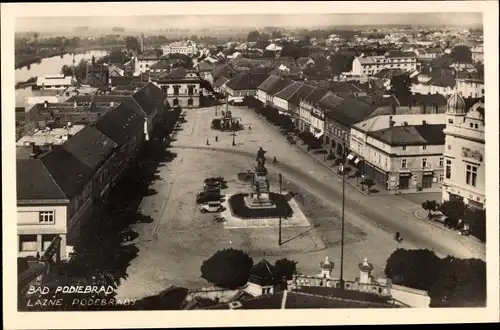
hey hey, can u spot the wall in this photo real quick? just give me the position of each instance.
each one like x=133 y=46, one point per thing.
x=409 y=296
x=453 y=152
x=261 y=96
x=281 y=104
x=28 y=224
x=470 y=88
x=431 y=89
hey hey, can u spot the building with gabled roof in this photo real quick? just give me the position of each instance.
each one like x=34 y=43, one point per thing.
x=365 y=65
x=269 y=87
x=244 y=84
x=181 y=87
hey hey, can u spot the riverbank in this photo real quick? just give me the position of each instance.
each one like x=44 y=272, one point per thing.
x=24 y=84
x=27 y=60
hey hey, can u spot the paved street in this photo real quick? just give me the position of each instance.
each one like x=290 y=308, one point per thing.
x=173 y=247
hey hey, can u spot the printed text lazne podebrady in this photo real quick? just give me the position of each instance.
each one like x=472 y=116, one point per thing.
x=44 y=296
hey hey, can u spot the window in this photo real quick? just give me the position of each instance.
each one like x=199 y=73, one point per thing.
x=176 y=101
x=471 y=175
x=403 y=163
x=424 y=147
x=385 y=161
x=471 y=125
x=441 y=161
x=190 y=90
x=190 y=101
x=46 y=217
x=176 y=90
x=441 y=177
x=450 y=121
x=404 y=147
x=448 y=169
x=476 y=126
x=27 y=243
x=424 y=163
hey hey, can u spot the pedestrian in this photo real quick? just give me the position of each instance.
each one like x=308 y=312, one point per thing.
x=207 y=142
x=216 y=138
x=275 y=160
x=250 y=127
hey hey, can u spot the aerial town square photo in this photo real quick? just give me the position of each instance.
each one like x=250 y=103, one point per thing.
x=278 y=161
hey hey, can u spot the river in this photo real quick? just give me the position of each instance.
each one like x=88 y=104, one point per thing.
x=48 y=66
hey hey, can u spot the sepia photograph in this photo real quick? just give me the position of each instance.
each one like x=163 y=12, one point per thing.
x=322 y=157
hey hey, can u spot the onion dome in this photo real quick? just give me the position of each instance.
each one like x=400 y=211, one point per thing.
x=365 y=266
x=326 y=265
x=456 y=104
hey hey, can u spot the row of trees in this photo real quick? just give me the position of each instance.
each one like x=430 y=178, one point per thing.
x=450 y=282
x=456 y=210
x=230 y=269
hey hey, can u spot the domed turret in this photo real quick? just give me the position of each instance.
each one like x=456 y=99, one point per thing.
x=456 y=104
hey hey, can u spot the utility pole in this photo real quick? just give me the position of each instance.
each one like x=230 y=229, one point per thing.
x=343 y=214
x=279 y=224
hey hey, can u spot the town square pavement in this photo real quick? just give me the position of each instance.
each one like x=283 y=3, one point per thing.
x=173 y=247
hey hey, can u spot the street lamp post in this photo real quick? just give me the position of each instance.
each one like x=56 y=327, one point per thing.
x=343 y=214
x=279 y=224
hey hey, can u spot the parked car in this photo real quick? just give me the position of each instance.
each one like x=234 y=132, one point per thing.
x=214 y=182
x=204 y=197
x=211 y=207
x=211 y=189
x=217 y=178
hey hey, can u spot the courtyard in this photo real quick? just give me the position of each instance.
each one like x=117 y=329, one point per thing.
x=173 y=246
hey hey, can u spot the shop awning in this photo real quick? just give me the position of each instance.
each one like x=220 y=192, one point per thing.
x=350 y=157
x=356 y=161
x=319 y=135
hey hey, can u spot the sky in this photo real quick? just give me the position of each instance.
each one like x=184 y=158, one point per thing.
x=247 y=21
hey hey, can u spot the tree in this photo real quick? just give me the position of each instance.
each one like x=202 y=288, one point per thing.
x=430 y=206
x=454 y=209
x=227 y=268
x=400 y=85
x=284 y=268
x=291 y=49
x=341 y=63
x=276 y=34
x=268 y=54
x=35 y=37
x=460 y=283
x=461 y=54
x=476 y=219
x=253 y=36
x=368 y=183
x=132 y=43
x=117 y=56
x=413 y=268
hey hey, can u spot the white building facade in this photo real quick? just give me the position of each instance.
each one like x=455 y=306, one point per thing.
x=464 y=154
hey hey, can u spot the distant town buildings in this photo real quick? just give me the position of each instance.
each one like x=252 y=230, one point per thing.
x=53 y=82
x=181 y=47
x=478 y=54
x=370 y=65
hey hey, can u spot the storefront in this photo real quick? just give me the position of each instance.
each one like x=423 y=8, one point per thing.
x=404 y=180
x=376 y=174
x=427 y=179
